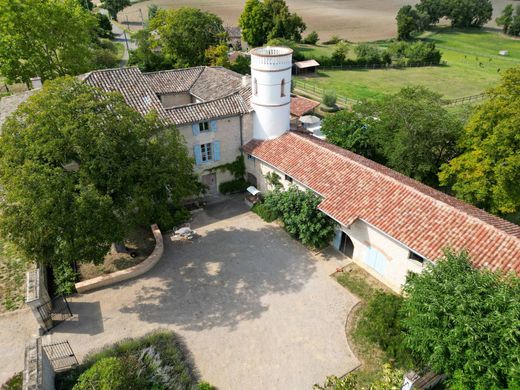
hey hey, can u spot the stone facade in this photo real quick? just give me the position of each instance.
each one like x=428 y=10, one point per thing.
x=38 y=373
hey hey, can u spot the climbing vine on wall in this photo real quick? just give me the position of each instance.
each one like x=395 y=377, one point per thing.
x=237 y=168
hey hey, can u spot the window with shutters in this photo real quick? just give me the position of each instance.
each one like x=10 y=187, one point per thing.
x=204 y=126
x=206 y=152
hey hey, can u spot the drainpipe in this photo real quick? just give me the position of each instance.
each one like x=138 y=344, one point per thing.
x=241 y=134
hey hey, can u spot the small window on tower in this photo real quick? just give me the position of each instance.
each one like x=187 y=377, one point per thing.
x=282 y=86
x=255 y=87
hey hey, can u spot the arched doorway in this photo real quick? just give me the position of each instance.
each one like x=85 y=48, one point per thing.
x=346 y=245
x=251 y=179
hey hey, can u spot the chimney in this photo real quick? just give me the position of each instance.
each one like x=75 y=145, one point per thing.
x=36 y=82
x=246 y=80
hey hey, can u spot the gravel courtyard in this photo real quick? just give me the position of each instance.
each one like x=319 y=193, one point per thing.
x=256 y=309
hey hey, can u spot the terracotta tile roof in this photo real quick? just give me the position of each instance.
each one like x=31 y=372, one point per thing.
x=300 y=105
x=175 y=80
x=130 y=83
x=220 y=90
x=423 y=219
x=197 y=112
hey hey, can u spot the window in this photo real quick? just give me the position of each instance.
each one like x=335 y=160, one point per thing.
x=255 y=87
x=250 y=157
x=204 y=126
x=288 y=178
x=416 y=257
x=206 y=152
x=282 y=87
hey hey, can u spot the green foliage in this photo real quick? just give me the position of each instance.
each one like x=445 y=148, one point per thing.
x=312 y=38
x=206 y=386
x=464 y=322
x=156 y=361
x=349 y=130
x=391 y=379
x=340 y=52
x=152 y=11
x=114 y=6
x=379 y=323
x=14 y=383
x=104 y=164
x=104 y=26
x=334 y=40
x=368 y=53
x=185 y=34
x=233 y=186
x=241 y=65
x=273 y=179
x=264 y=212
x=110 y=374
x=461 y=13
x=264 y=20
x=145 y=56
x=237 y=168
x=487 y=173
x=105 y=55
x=299 y=213
x=217 y=56
x=329 y=98
x=514 y=28
x=413 y=133
x=414 y=52
x=506 y=18
x=409 y=22
x=45 y=38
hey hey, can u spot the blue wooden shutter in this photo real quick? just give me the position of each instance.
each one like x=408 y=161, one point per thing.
x=216 y=150
x=370 y=257
x=195 y=128
x=197 y=153
x=337 y=239
x=381 y=263
x=213 y=126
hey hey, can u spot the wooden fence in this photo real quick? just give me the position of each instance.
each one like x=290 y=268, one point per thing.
x=465 y=99
x=380 y=66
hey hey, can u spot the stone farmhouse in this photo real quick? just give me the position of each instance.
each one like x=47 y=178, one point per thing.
x=387 y=223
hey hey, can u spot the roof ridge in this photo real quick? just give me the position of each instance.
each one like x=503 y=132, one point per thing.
x=174 y=70
x=203 y=102
x=319 y=142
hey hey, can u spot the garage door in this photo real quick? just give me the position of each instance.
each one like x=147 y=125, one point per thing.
x=376 y=260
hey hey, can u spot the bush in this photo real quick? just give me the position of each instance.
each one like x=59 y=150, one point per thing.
x=264 y=212
x=111 y=374
x=333 y=40
x=299 y=213
x=368 y=54
x=64 y=278
x=380 y=324
x=233 y=186
x=340 y=53
x=14 y=383
x=312 y=38
x=329 y=98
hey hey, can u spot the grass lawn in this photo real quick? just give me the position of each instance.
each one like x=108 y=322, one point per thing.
x=364 y=286
x=120 y=50
x=12 y=278
x=473 y=65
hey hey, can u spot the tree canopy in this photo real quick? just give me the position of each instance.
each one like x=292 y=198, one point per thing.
x=114 y=6
x=45 y=38
x=487 y=173
x=465 y=323
x=185 y=34
x=78 y=167
x=509 y=20
x=264 y=20
x=409 y=22
x=461 y=13
x=413 y=133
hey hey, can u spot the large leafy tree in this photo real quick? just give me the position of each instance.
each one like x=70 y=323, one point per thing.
x=78 y=167
x=350 y=130
x=465 y=323
x=264 y=20
x=461 y=13
x=186 y=33
x=487 y=173
x=115 y=6
x=506 y=18
x=409 y=21
x=413 y=132
x=45 y=38
x=145 y=56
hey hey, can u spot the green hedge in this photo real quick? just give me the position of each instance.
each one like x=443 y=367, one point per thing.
x=166 y=355
x=233 y=186
x=264 y=212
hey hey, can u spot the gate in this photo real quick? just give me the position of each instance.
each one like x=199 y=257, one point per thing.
x=60 y=355
x=55 y=311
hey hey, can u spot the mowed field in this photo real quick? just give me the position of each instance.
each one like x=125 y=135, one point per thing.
x=354 y=20
x=473 y=65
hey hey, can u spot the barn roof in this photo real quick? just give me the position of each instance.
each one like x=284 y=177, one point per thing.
x=306 y=64
x=423 y=219
x=300 y=105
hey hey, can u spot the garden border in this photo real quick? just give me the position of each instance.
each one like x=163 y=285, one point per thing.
x=129 y=273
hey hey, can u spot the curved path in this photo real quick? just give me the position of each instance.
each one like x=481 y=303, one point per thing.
x=256 y=309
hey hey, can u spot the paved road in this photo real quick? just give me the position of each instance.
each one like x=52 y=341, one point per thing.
x=256 y=309
x=119 y=36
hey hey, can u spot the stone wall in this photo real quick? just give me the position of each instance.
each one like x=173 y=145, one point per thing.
x=36 y=295
x=38 y=373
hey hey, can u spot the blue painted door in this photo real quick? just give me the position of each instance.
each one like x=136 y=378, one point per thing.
x=376 y=260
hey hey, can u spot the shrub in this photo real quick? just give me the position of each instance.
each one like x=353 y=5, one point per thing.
x=264 y=212
x=312 y=38
x=368 y=54
x=233 y=186
x=340 y=53
x=299 y=213
x=333 y=40
x=14 y=383
x=64 y=278
x=329 y=98
x=380 y=324
x=206 y=386
x=111 y=374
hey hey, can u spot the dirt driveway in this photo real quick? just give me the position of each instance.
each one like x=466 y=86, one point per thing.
x=256 y=309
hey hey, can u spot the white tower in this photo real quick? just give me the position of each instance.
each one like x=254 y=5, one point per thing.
x=271 y=91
